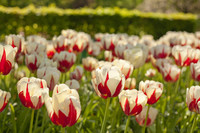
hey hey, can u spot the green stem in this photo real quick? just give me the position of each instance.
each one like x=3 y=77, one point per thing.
x=105 y=116
x=43 y=118
x=36 y=122
x=194 y=123
x=177 y=83
x=31 y=122
x=145 y=124
x=13 y=118
x=62 y=130
x=127 y=124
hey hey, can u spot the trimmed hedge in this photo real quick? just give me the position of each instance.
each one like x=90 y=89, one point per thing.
x=51 y=20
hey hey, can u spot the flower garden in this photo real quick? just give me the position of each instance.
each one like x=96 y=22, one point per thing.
x=77 y=82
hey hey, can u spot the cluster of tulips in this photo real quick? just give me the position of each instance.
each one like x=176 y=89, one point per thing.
x=53 y=83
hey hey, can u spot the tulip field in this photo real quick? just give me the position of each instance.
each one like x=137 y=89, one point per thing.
x=107 y=83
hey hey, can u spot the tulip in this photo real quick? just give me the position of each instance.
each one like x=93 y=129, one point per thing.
x=65 y=60
x=94 y=49
x=47 y=62
x=130 y=84
x=193 y=98
x=108 y=56
x=79 y=44
x=124 y=66
x=195 y=55
x=195 y=70
x=7 y=55
x=50 y=51
x=64 y=107
x=4 y=98
x=109 y=42
x=50 y=74
x=110 y=81
x=98 y=37
x=170 y=72
x=30 y=92
x=73 y=84
x=60 y=43
x=150 y=73
x=140 y=118
x=160 y=63
x=182 y=55
x=152 y=89
x=33 y=61
x=77 y=73
x=36 y=39
x=160 y=51
x=69 y=33
x=90 y=63
x=132 y=101
x=38 y=48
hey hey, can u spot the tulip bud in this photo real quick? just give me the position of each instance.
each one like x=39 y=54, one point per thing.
x=170 y=72
x=4 y=98
x=140 y=118
x=192 y=98
x=7 y=55
x=30 y=92
x=110 y=81
x=160 y=51
x=182 y=55
x=77 y=73
x=64 y=107
x=132 y=101
x=73 y=84
x=130 y=84
x=65 y=60
x=124 y=66
x=195 y=70
x=152 y=89
x=50 y=74
x=90 y=63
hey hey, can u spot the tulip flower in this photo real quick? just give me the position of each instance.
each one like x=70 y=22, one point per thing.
x=132 y=101
x=150 y=73
x=110 y=81
x=50 y=51
x=4 y=98
x=109 y=42
x=170 y=72
x=73 y=84
x=152 y=89
x=7 y=55
x=124 y=66
x=140 y=118
x=195 y=70
x=160 y=51
x=60 y=43
x=108 y=56
x=77 y=73
x=38 y=48
x=64 y=107
x=30 y=92
x=69 y=33
x=182 y=55
x=193 y=98
x=90 y=63
x=33 y=61
x=36 y=39
x=130 y=84
x=160 y=63
x=79 y=44
x=50 y=74
x=195 y=55
x=65 y=60
x=94 y=49
x=98 y=37
x=47 y=62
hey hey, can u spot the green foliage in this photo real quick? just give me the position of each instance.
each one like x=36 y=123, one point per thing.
x=51 y=20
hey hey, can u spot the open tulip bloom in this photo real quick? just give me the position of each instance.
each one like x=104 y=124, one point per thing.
x=64 y=107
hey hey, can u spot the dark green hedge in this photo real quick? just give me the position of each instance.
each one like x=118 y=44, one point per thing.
x=51 y=20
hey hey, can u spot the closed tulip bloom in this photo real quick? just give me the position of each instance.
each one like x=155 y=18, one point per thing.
x=94 y=49
x=193 y=98
x=98 y=37
x=108 y=56
x=4 y=98
x=50 y=74
x=109 y=42
x=77 y=73
x=140 y=118
x=150 y=73
x=50 y=51
x=38 y=48
x=195 y=70
x=130 y=84
x=60 y=43
x=110 y=81
x=152 y=89
x=65 y=60
x=182 y=55
x=64 y=107
x=73 y=84
x=160 y=63
x=69 y=33
x=33 y=61
x=170 y=72
x=7 y=56
x=125 y=66
x=90 y=63
x=45 y=62
x=79 y=44
x=30 y=92
x=160 y=51
x=132 y=101
x=195 y=55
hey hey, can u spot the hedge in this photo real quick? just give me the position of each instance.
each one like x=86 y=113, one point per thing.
x=51 y=20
